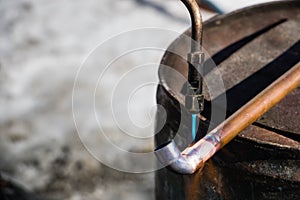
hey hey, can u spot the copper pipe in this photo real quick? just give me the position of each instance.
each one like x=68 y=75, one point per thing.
x=197 y=27
x=194 y=100
x=193 y=157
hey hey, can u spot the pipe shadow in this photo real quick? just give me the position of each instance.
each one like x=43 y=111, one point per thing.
x=243 y=92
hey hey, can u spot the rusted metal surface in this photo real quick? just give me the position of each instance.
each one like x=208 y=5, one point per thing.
x=252 y=48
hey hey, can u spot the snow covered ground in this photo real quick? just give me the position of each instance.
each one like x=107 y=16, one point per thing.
x=42 y=45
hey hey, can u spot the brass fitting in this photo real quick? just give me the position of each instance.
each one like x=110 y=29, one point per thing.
x=194 y=103
x=194 y=99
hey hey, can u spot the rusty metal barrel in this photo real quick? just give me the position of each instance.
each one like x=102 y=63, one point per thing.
x=252 y=48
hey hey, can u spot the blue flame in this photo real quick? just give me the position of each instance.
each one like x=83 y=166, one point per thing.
x=194 y=125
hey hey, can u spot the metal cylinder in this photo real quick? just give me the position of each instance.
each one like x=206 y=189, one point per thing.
x=263 y=162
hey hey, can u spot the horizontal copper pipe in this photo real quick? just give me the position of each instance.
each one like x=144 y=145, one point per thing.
x=190 y=160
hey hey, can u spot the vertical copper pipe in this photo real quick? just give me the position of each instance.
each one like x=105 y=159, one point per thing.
x=194 y=100
x=197 y=27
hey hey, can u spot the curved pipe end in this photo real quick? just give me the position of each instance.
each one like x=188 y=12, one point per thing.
x=197 y=26
x=169 y=155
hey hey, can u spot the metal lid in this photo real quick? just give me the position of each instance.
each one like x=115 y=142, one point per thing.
x=251 y=47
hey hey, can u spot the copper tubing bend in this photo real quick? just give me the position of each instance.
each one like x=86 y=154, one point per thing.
x=190 y=160
x=197 y=27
